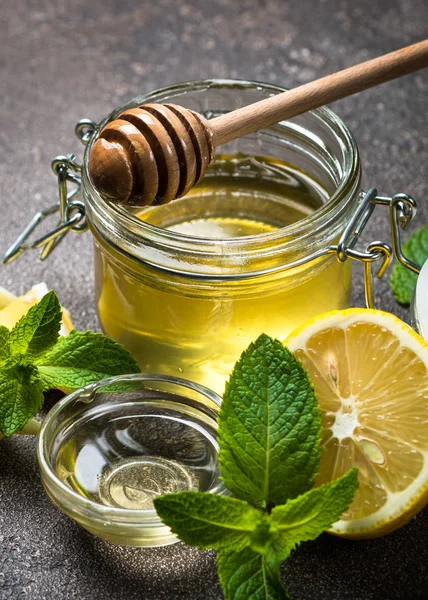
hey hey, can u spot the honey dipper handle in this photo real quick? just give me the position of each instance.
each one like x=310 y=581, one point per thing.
x=318 y=93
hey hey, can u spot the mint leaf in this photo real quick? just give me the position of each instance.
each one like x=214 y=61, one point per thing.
x=247 y=575
x=21 y=397
x=307 y=516
x=37 y=330
x=82 y=358
x=269 y=426
x=402 y=280
x=4 y=346
x=208 y=521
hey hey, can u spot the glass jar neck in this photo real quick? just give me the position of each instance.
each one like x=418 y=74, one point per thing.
x=316 y=142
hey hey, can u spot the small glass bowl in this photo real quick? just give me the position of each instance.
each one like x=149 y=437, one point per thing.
x=107 y=450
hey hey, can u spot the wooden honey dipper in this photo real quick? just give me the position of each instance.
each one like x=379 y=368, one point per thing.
x=158 y=152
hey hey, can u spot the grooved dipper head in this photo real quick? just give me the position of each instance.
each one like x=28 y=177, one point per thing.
x=153 y=153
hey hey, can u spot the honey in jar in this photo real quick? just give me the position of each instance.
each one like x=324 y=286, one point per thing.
x=186 y=286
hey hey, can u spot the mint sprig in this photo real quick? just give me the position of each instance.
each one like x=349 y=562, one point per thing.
x=34 y=359
x=269 y=454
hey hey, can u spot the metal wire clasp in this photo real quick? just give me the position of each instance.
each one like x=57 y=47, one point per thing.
x=70 y=208
x=402 y=209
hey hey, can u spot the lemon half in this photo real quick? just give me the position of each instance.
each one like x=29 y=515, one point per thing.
x=370 y=374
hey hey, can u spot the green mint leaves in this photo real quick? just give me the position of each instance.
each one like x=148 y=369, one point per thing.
x=270 y=426
x=208 y=521
x=402 y=280
x=38 y=329
x=81 y=358
x=247 y=574
x=306 y=517
x=4 y=348
x=21 y=396
x=269 y=439
x=33 y=359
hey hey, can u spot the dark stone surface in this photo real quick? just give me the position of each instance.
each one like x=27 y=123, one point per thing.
x=61 y=61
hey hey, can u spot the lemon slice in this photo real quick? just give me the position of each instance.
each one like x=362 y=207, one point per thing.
x=13 y=308
x=370 y=374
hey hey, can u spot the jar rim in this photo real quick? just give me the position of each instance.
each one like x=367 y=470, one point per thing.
x=114 y=215
x=147 y=517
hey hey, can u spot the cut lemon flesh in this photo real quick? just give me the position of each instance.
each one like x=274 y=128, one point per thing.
x=12 y=308
x=370 y=374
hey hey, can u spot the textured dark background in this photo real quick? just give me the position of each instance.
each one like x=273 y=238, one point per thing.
x=61 y=61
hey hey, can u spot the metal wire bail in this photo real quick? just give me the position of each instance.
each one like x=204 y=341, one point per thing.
x=70 y=208
x=402 y=209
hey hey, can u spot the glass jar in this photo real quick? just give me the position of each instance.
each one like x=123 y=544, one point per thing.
x=189 y=305
x=259 y=246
